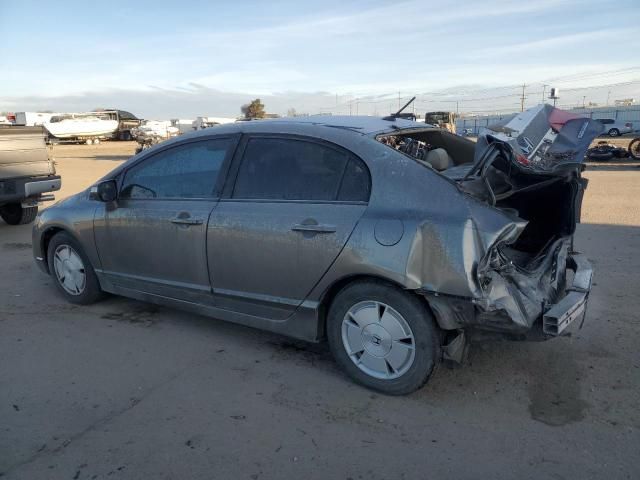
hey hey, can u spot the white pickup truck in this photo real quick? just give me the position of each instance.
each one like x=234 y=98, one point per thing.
x=27 y=175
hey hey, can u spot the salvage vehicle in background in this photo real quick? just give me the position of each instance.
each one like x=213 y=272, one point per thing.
x=328 y=228
x=27 y=175
x=445 y=120
x=613 y=128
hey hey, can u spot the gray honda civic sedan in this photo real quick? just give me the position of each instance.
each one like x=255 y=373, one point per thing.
x=395 y=241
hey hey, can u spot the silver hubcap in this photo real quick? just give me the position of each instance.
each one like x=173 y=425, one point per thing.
x=69 y=269
x=378 y=340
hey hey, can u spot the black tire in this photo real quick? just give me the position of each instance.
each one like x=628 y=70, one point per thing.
x=634 y=149
x=614 y=132
x=16 y=214
x=91 y=292
x=600 y=156
x=620 y=153
x=416 y=314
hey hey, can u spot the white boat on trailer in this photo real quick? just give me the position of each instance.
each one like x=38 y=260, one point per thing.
x=80 y=127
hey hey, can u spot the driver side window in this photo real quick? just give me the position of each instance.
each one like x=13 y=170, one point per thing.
x=184 y=171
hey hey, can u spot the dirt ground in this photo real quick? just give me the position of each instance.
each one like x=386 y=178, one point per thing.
x=127 y=390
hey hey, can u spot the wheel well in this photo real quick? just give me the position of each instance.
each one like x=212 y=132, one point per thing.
x=47 y=235
x=335 y=288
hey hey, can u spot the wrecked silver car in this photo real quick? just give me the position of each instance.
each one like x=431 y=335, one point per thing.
x=396 y=241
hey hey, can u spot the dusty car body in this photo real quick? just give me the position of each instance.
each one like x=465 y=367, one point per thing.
x=467 y=232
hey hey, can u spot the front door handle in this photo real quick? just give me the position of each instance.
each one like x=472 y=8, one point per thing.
x=186 y=221
x=315 y=228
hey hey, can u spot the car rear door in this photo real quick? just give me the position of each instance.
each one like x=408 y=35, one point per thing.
x=154 y=240
x=291 y=210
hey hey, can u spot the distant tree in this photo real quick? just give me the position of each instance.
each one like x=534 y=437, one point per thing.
x=255 y=109
x=291 y=112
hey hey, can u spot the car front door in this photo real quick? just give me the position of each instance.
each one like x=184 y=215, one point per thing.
x=290 y=212
x=154 y=240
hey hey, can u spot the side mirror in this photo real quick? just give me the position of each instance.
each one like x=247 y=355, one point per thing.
x=106 y=191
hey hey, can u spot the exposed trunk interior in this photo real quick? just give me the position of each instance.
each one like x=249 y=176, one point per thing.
x=550 y=203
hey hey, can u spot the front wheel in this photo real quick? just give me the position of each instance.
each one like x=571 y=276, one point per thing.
x=16 y=214
x=614 y=132
x=382 y=337
x=71 y=270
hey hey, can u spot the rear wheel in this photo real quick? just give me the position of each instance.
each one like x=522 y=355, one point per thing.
x=16 y=214
x=71 y=270
x=382 y=337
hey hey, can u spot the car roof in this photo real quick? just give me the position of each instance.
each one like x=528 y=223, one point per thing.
x=364 y=125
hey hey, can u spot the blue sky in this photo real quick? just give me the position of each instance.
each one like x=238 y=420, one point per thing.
x=182 y=58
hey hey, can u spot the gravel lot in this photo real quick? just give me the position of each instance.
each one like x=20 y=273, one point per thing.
x=127 y=390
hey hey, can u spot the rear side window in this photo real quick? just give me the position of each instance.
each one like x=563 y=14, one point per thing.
x=291 y=169
x=606 y=121
x=356 y=184
x=185 y=171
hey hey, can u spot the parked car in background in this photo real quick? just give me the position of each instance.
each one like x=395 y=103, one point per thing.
x=614 y=128
x=330 y=228
x=27 y=175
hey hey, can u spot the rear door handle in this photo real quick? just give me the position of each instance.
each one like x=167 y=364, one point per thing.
x=186 y=221
x=302 y=227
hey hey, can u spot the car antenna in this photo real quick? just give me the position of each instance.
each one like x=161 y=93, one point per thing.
x=398 y=114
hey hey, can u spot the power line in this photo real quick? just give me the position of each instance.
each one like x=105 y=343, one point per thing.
x=499 y=102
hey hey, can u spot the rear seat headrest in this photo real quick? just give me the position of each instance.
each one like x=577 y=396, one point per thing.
x=439 y=159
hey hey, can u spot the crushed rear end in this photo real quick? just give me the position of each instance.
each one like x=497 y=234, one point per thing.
x=530 y=168
x=524 y=277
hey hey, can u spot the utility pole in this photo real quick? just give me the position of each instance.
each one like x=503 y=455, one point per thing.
x=350 y=108
x=522 y=98
x=457 y=109
x=544 y=90
x=583 y=99
x=399 y=101
x=608 y=95
x=357 y=105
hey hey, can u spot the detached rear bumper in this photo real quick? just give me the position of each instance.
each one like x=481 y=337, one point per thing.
x=574 y=304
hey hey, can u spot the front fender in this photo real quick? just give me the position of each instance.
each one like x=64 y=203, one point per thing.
x=74 y=216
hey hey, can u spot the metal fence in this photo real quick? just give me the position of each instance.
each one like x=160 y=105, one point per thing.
x=473 y=124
